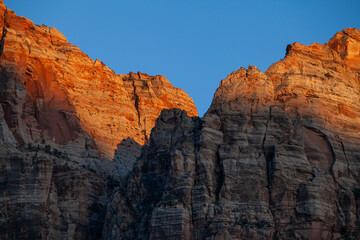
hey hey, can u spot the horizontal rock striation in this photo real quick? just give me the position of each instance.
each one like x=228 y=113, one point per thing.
x=62 y=93
x=62 y=116
x=277 y=156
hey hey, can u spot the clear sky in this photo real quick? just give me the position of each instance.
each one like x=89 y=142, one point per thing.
x=193 y=43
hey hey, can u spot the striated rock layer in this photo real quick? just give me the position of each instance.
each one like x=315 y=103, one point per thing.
x=62 y=116
x=277 y=156
x=60 y=92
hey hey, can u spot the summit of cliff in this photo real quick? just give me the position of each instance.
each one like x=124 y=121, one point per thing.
x=276 y=156
x=56 y=92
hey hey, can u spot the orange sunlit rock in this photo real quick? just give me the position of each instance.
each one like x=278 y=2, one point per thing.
x=322 y=80
x=65 y=93
x=347 y=44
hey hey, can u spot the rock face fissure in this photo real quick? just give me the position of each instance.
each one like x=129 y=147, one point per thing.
x=347 y=161
x=70 y=132
x=277 y=155
x=219 y=173
x=136 y=100
x=266 y=163
x=65 y=89
x=269 y=153
x=270 y=163
x=4 y=32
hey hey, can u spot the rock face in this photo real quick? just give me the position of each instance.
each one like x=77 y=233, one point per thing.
x=64 y=93
x=62 y=116
x=277 y=156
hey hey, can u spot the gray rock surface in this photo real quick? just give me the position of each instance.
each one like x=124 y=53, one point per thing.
x=277 y=156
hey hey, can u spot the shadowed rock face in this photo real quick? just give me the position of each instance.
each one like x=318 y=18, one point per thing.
x=62 y=116
x=276 y=156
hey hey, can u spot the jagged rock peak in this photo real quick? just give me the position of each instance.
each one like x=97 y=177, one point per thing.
x=61 y=112
x=347 y=44
x=67 y=94
x=275 y=157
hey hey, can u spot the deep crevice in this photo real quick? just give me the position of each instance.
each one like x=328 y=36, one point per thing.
x=197 y=131
x=2 y=41
x=269 y=153
x=136 y=99
x=331 y=169
x=346 y=159
x=266 y=128
x=4 y=32
x=219 y=174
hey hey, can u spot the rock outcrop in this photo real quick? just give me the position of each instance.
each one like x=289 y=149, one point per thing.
x=277 y=156
x=60 y=92
x=62 y=117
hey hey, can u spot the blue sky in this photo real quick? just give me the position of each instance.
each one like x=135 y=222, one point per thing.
x=194 y=43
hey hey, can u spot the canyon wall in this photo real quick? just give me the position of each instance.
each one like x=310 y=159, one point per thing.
x=62 y=118
x=276 y=156
x=62 y=93
x=89 y=154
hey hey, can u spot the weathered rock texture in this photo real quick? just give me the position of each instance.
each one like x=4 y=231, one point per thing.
x=62 y=116
x=277 y=156
x=59 y=92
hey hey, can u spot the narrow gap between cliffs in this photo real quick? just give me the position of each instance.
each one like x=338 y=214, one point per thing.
x=136 y=99
x=219 y=173
x=269 y=154
x=4 y=32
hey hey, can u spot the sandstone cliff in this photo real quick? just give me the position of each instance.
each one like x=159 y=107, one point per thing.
x=55 y=92
x=62 y=117
x=277 y=156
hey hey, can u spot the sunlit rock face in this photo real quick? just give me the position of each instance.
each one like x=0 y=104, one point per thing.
x=62 y=117
x=277 y=156
x=61 y=93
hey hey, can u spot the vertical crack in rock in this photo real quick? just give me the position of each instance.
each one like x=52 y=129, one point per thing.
x=346 y=159
x=2 y=41
x=219 y=174
x=4 y=32
x=48 y=191
x=144 y=131
x=136 y=99
x=269 y=155
x=266 y=128
x=333 y=157
x=197 y=131
x=270 y=164
x=62 y=198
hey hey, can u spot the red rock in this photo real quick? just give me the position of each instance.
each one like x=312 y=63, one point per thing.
x=67 y=93
x=347 y=44
x=276 y=156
